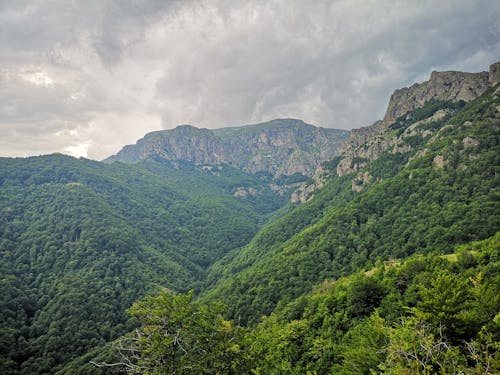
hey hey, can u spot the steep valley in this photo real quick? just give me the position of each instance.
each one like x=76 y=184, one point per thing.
x=384 y=227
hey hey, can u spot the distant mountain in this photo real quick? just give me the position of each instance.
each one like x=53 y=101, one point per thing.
x=280 y=147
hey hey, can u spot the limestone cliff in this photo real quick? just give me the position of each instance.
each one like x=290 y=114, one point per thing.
x=366 y=144
x=182 y=143
x=451 y=86
x=280 y=147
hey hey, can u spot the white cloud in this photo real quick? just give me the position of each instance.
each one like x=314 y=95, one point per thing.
x=37 y=77
x=87 y=77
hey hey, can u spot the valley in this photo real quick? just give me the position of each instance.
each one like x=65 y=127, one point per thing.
x=386 y=260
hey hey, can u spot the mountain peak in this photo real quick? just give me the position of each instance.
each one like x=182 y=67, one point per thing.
x=446 y=86
x=280 y=146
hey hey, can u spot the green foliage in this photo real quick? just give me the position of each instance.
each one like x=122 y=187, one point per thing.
x=178 y=336
x=323 y=333
x=80 y=241
x=411 y=206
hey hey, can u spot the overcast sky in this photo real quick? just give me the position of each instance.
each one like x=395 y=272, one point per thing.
x=87 y=77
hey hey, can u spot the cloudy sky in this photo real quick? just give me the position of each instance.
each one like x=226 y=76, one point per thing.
x=87 y=77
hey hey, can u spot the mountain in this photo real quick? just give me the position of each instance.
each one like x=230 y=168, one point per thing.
x=380 y=254
x=456 y=87
x=80 y=241
x=280 y=147
x=430 y=182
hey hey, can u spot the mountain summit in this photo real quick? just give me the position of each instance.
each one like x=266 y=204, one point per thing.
x=280 y=147
x=368 y=143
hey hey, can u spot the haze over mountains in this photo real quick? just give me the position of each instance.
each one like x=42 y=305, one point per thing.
x=210 y=211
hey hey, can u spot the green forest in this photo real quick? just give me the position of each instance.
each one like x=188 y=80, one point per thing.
x=428 y=314
x=160 y=268
x=82 y=240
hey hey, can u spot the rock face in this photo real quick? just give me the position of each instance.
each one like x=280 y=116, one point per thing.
x=182 y=143
x=494 y=75
x=451 y=86
x=281 y=147
x=368 y=143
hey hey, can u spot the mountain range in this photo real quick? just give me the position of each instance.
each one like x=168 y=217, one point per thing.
x=280 y=219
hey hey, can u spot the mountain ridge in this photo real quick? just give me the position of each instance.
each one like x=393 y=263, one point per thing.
x=81 y=240
x=367 y=143
x=280 y=146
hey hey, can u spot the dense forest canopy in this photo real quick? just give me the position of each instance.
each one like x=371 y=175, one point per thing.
x=82 y=240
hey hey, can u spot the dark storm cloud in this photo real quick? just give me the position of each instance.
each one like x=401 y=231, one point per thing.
x=86 y=77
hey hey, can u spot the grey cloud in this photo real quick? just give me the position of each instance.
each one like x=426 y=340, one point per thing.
x=109 y=71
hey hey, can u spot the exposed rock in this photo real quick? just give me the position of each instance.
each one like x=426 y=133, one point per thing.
x=241 y=192
x=369 y=142
x=360 y=181
x=452 y=86
x=470 y=142
x=281 y=147
x=358 y=137
x=350 y=165
x=401 y=148
x=439 y=162
x=494 y=76
x=303 y=194
x=305 y=191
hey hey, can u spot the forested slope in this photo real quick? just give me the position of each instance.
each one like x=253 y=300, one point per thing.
x=427 y=314
x=440 y=191
x=81 y=240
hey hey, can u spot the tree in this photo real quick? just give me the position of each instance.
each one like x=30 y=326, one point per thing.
x=178 y=336
x=414 y=349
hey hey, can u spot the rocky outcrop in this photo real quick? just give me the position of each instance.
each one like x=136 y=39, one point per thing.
x=182 y=143
x=360 y=181
x=450 y=86
x=304 y=192
x=280 y=147
x=369 y=142
x=494 y=74
x=439 y=162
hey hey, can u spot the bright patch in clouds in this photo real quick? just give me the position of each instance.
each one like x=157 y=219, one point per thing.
x=78 y=150
x=87 y=77
x=37 y=77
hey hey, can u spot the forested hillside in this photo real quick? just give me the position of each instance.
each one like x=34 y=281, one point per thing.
x=439 y=191
x=81 y=240
x=177 y=265
x=428 y=314
x=386 y=279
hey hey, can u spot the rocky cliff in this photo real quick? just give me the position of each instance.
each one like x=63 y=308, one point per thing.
x=368 y=143
x=280 y=147
x=185 y=142
x=450 y=86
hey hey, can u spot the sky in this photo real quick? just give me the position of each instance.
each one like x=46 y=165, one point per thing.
x=87 y=77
